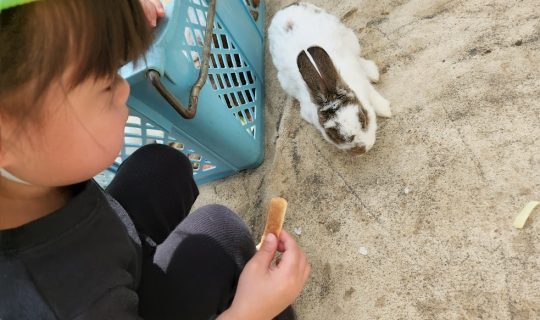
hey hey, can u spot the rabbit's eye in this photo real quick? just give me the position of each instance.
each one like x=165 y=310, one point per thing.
x=334 y=135
x=362 y=116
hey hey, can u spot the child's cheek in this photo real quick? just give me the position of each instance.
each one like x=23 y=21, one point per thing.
x=122 y=93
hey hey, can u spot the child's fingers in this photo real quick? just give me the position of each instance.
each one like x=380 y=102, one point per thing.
x=281 y=246
x=149 y=12
x=292 y=255
x=288 y=241
x=307 y=271
x=159 y=7
x=266 y=253
x=153 y=9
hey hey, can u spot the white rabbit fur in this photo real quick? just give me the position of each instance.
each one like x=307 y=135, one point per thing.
x=301 y=26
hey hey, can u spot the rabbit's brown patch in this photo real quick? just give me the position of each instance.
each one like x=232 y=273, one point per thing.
x=289 y=26
x=362 y=116
x=358 y=150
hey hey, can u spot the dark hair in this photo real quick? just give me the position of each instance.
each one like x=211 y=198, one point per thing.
x=38 y=41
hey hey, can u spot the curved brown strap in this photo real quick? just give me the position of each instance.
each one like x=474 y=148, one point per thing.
x=155 y=77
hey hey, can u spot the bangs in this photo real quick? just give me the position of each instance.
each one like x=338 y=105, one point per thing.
x=92 y=38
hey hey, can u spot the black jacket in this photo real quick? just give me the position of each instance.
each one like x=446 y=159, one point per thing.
x=80 y=262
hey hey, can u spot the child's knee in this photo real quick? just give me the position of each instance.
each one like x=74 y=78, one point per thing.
x=162 y=157
x=225 y=227
x=223 y=218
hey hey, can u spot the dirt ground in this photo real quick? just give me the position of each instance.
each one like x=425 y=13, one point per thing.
x=420 y=227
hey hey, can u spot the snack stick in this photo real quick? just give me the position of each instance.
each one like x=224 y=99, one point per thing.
x=275 y=218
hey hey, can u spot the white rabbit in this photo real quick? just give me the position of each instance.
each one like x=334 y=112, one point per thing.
x=318 y=62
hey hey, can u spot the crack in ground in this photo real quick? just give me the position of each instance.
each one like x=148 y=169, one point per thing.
x=473 y=156
x=368 y=211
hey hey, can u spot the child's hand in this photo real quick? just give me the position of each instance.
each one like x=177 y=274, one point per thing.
x=265 y=290
x=153 y=10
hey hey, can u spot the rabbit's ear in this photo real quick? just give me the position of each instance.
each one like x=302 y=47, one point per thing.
x=320 y=78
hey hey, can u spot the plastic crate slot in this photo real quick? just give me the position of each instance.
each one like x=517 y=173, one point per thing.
x=226 y=77
x=253 y=8
x=220 y=82
x=248 y=115
x=248 y=95
x=130 y=150
x=212 y=81
x=208 y=167
x=199 y=37
x=132 y=130
x=203 y=2
x=195 y=166
x=234 y=79
x=215 y=41
x=213 y=61
x=202 y=17
x=188 y=36
x=224 y=41
x=254 y=112
x=221 y=62
x=237 y=60
x=241 y=117
x=154 y=133
x=233 y=97
x=255 y=3
x=176 y=145
x=195 y=157
x=230 y=63
x=133 y=141
x=252 y=131
x=250 y=77
x=134 y=120
x=227 y=101
x=241 y=98
x=196 y=59
x=192 y=16
x=242 y=78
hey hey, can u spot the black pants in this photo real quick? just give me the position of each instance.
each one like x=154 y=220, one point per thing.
x=192 y=270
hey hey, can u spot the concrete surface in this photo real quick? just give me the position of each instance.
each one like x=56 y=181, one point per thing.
x=433 y=202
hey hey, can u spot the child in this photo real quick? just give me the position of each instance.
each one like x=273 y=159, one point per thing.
x=69 y=250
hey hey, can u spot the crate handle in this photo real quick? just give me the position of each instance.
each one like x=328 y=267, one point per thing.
x=155 y=77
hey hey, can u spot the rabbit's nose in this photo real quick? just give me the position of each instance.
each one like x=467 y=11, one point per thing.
x=358 y=150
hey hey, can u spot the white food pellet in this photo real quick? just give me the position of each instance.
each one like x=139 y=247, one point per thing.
x=363 y=251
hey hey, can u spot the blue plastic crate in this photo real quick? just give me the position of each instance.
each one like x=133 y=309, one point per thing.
x=227 y=134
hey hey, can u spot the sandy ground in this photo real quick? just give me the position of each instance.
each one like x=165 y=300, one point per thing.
x=421 y=226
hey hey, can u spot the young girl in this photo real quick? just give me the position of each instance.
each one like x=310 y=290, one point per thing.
x=69 y=250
